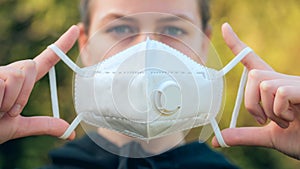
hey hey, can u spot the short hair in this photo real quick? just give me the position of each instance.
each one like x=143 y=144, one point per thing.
x=204 y=9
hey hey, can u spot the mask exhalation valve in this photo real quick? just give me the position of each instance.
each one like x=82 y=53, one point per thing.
x=167 y=98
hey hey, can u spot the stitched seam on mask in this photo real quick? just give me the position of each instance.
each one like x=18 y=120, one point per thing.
x=140 y=136
x=167 y=120
x=110 y=128
x=156 y=73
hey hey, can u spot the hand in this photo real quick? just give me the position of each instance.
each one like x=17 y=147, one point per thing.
x=268 y=95
x=16 y=83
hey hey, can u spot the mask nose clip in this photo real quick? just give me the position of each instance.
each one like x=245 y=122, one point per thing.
x=167 y=98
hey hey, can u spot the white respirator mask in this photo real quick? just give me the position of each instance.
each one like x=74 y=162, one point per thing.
x=148 y=91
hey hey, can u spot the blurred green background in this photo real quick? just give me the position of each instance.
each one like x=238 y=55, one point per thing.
x=27 y=27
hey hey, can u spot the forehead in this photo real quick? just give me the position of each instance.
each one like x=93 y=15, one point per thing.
x=187 y=9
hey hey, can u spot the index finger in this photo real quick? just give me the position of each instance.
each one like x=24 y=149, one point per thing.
x=252 y=60
x=47 y=59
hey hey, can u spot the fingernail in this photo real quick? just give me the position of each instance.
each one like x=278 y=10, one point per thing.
x=229 y=26
x=260 y=120
x=15 y=111
x=283 y=125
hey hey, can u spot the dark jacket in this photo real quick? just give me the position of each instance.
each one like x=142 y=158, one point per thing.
x=84 y=153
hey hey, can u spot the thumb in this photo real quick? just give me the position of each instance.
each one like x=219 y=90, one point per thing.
x=42 y=125
x=252 y=60
x=245 y=136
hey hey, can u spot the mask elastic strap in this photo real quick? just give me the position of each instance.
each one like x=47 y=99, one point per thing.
x=53 y=92
x=239 y=98
x=234 y=62
x=53 y=89
x=218 y=133
x=72 y=127
x=65 y=59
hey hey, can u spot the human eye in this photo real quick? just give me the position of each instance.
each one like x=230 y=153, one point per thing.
x=121 y=30
x=173 y=31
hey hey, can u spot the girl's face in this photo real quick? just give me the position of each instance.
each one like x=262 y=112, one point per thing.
x=116 y=25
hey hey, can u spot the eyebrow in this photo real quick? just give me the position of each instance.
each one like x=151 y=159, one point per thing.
x=175 y=18
x=115 y=16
